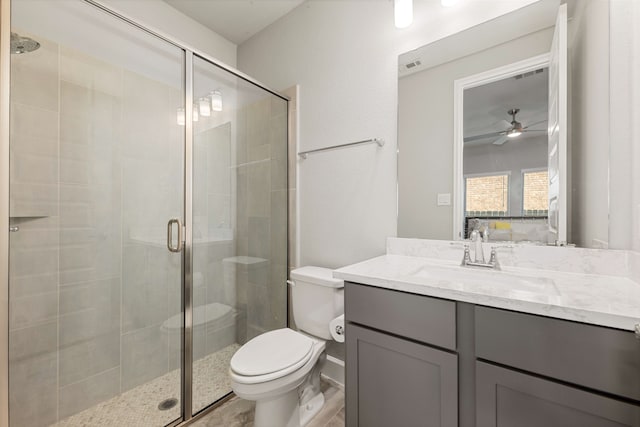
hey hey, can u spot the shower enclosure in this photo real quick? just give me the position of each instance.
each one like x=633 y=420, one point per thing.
x=146 y=218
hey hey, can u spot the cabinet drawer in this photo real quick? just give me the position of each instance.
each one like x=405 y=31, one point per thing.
x=425 y=319
x=592 y=356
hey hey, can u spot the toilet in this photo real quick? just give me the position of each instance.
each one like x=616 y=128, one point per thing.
x=280 y=369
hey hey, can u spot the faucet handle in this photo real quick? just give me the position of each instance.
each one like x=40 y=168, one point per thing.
x=466 y=257
x=493 y=260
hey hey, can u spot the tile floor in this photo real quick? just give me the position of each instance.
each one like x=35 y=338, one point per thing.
x=138 y=407
x=239 y=413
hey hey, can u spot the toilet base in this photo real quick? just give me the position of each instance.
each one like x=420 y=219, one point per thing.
x=282 y=410
x=285 y=410
x=313 y=406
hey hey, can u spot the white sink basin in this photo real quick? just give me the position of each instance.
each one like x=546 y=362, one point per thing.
x=476 y=277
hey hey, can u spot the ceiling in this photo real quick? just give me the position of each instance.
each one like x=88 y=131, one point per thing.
x=486 y=106
x=529 y=18
x=235 y=20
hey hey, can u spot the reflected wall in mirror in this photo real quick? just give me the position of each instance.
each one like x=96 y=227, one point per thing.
x=505 y=166
x=427 y=156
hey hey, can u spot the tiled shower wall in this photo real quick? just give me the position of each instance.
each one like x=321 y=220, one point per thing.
x=212 y=232
x=34 y=252
x=261 y=216
x=95 y=176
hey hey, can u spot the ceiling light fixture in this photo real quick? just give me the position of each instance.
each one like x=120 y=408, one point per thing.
x=204 y=106
x=195 y=113
x=216 y=100
x=516 y=126
x=403 y=13
x=514 y=132
x=181 y=120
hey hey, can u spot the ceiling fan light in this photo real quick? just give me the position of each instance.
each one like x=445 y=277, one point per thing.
x=403 y=13
x=512 y=133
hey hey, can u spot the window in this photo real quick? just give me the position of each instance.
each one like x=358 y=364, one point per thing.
x=535 y=196
x=487 y=195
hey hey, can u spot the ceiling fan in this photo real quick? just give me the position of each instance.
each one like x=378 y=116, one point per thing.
x=515 y=129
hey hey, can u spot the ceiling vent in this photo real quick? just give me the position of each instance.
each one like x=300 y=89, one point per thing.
x=412 y=64
x=529 y=74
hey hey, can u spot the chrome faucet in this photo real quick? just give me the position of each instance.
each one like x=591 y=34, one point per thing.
x=477 y=237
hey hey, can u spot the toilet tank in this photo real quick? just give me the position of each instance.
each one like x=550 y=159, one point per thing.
x=317 y=298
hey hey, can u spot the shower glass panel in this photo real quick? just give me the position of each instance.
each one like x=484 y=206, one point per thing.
x=239 y=222
x=97 y=160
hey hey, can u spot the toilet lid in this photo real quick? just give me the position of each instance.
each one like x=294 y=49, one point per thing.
x=272 y=352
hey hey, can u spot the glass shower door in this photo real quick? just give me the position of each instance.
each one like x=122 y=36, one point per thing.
x=97 y=171
x=239 y=222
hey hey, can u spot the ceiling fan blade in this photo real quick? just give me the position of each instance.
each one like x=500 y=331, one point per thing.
x=483 y=136
x=500 y=140
x=533 y=124
x=533 y=130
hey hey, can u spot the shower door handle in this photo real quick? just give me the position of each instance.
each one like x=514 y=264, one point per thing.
x=170 y=246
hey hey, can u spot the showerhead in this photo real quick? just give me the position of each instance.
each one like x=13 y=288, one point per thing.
x=20 y=44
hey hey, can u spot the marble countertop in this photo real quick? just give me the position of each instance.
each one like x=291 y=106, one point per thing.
x=605 y=300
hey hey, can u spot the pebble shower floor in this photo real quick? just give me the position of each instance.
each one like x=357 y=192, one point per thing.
x=138 y=407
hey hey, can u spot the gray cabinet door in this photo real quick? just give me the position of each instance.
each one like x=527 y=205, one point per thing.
x=396 y=382
x=510 y=398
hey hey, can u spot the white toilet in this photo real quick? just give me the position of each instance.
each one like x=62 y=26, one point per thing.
x=280 y=369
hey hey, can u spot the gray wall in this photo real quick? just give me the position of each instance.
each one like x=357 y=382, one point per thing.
x=514 y=156
x=425 y=134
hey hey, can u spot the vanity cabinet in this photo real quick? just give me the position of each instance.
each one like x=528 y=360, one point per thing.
x=554 y=372
x=395 y=374
x=506 y=397
x=398 y=382
x=590 y=356
x=414 y=360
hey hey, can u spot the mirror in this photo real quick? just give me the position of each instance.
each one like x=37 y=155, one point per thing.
x=434 y=176
x=505 y=158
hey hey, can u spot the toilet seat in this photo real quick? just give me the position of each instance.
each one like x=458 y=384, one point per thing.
x=270 y=356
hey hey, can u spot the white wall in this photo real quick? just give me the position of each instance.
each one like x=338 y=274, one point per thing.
x=634 y=18
x=158 y=15
x=589 y=118
x=624 y=175
x=344 y=56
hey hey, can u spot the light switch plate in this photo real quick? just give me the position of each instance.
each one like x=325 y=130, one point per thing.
x=444 y=199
